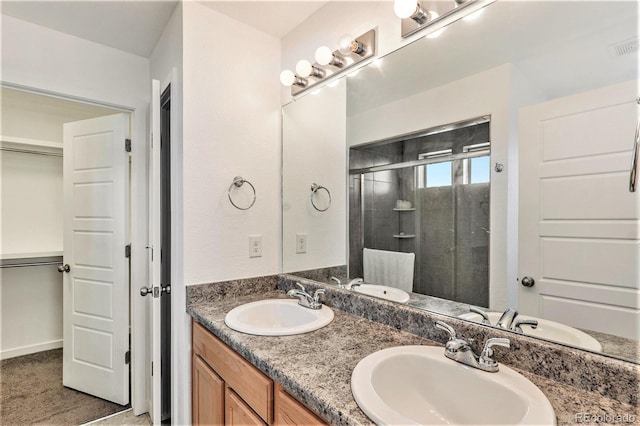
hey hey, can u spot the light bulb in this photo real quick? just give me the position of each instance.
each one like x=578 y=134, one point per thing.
x=303 y=68
x=287 y=78
x=323 y=55
x=404 y=8
x=344 y=44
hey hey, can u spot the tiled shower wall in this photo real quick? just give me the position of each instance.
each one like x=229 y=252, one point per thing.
x=451 y=223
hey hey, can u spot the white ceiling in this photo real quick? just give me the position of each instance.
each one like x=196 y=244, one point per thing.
x=136 y=26
x=277 y=18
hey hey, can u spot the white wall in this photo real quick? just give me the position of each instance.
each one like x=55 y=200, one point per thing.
x=231 y=128
x=314 y=151
x=53 y=62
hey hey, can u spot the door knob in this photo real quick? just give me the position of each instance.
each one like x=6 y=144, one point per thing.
x=527 y=281
x=64 y=268
x=146 y=290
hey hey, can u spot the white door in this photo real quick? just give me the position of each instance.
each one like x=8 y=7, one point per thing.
x=96 y=286
x=578 y=222
x=153 y=298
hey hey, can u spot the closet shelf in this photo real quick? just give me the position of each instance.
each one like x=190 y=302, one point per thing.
x=11 y=260
x=13 y=141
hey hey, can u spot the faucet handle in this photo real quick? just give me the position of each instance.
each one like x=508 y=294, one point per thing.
x=301 y=287
x=516 y=325
x=483 y=314
x=317 y=293
x=486 y=360
x=446 y=327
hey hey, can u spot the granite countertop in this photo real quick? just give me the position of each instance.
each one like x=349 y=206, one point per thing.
x=316 y=367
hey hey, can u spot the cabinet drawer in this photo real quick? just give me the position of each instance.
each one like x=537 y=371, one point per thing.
x=288 y=411
x=236 y=412
x=248 y=382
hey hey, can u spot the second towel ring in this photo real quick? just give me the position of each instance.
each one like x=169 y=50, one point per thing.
x=315 y=188
x=238 y=181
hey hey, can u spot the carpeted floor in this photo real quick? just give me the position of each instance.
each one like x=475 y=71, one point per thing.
x=31 y=392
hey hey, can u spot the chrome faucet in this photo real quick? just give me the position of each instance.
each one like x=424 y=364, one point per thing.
x=354 y=283
x=460 y=351
x=506 y=319
x=305 y=299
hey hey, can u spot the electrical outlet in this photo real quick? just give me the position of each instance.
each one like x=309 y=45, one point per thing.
x=255 y=245
x=301 y=243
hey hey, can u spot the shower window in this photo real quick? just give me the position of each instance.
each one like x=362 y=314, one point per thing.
x=476 y=169
x=435 y=174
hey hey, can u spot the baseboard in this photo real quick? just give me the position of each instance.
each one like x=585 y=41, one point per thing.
x=31 y=349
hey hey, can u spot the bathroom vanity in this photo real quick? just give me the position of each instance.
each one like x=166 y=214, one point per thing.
x=311 y=372
x=227 y=389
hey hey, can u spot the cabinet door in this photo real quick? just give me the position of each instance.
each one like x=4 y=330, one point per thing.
x=288 y=411
x=237 y=412
x=207 y=394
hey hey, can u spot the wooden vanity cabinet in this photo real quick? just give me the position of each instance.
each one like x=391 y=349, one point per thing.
x=227 y=389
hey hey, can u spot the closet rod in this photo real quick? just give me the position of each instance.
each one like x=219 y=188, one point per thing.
x=28 y=151
x=20 y=265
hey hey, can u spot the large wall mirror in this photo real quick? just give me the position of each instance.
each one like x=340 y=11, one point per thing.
x=448 y=149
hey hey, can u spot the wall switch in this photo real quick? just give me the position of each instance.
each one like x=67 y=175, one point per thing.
x=301 y=243
x=255 y=245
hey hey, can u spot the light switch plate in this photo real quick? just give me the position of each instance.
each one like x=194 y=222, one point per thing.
x=255 y=245
x=301 y=243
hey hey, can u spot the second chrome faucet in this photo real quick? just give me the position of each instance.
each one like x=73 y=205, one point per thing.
x=460 y=350
x=305 y=299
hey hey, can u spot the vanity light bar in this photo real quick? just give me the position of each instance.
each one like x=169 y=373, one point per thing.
x=411 y=26
x=362 y=48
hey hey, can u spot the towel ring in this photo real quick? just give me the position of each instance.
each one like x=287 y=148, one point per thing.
x=315 y=188
x=238 y=181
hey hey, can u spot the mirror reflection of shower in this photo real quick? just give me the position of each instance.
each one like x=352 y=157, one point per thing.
x=428 y=194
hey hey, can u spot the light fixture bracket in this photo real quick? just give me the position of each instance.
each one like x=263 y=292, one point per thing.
x=448 y=12
x=363 y=47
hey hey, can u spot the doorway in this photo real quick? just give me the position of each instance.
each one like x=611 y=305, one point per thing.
x=32 y=164
x=165 y=251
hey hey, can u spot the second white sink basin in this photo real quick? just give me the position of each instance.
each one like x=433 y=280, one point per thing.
x=417 y=385
x=383 y=292
x=546 y=329
x=277 y=317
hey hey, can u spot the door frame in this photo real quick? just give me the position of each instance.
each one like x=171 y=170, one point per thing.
x=138 y=216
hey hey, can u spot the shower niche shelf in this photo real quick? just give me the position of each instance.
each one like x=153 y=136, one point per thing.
x=395 y=209
x=403 y=236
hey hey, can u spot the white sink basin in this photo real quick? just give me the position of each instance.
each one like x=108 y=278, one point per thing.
x=383 y=292
x=550 y=330
x=277 y=317
x=411 y=385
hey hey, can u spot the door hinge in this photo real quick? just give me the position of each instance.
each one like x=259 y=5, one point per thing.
x=127 y=145
x=152 y=368
x=127 y=357
x=127 y=250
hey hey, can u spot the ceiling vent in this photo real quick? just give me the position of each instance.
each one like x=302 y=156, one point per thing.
x=625 y=47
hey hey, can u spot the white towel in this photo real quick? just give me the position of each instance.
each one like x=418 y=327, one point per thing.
x=391 y=268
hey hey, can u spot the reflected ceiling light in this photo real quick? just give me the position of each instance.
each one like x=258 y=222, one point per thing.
x=351 y=51
x=416 y=16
